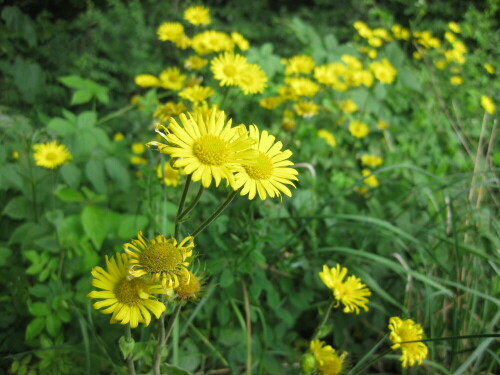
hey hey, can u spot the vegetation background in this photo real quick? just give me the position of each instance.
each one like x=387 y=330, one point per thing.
x=425 y=241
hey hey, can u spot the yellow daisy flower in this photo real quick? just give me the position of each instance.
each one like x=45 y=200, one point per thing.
x=351 y=292
x=299 y=64
x=489 y=68
x=228 y=68
x=138 y=148
x=211 y=41
x=240 y=41
x=270 y=173
x=147 y=80
x=358 y=129
x=170 y=31
x=456 y=80
x=161 y=258
x=206 y=146
x=382 y=125
x=327 y=137
x=348 y=106
x=453 y=26
x=167 y=110
x=372 y=180
x=118 y=137
x=327 y=360
x=271 y=102
x=51 y=155
x=371 y=160
x=306 y=109
x=137 y=160
x=196 y=93
x=488 y=104
x=168 y=176
x=303 y=86
x=408 y=330
x=195 y=62
x=253 y=80
x=383 y=71
x=130 y=300
x=197 y=15
x=172 y=79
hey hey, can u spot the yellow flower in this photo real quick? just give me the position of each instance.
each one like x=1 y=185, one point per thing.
x=15 y=155
x=206 y=146
x=329 y=74
x=228 y=68
x=51 y=155
x=328 y=362
x=375 y=42
x=408 y=330
x=240 y=41
x=197 y=15
x=303 y=86
x=352 y=62
x=288 y=124
x=137 y=160
x=167 y=110
x=348 y=106
x=363 y=29
x=489 y=68
x=382 y=125
x=358 y=129
x=118 y=137
x=456 y=80
x=383 y=34
x=488 y=104
x=190 y=287
x=172 y=79
x=371 y=160
x=211 y=41
x=169 y=176
x=400 y=32
x=138 y=148
x=182 y=42
x=170 y=31
x=147 y=80
x=195 y=62
x=441 y=64
x=383 y=71
x=299 y=64
x=196 y=93
x=271 y=102
x=270 y=172
x=372 y=53
x=306 y=109
x=352 y=293
x=372 y=180
x=162 y=259
x=130 y=300
x=253 y=80
x=327 y=137
x=453 y=26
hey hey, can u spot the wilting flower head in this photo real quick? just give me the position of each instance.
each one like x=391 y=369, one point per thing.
x=147 y=80
x=270 y=172
x=328 y=362
x=130 y=300
x=408 y=330
x=189 y=288
x=51 y=155
x=351 y=292
x=163 y=259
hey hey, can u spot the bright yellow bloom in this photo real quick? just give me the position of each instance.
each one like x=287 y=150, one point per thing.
x=306 y=109
x=453 y=26
x=375 y=42
x=182 y=42
x=371 y=160
x=170 y=31
x=372 y=53
x=363 y=29
x=400 y=32
x=287 y=93
x=253 y=80
x=382 y=33
x=270 y=171
x=211 y=41
x=358 y=129
x=271 y=102
x=489 y=68
x=372 y=180
x=327 y=137
x=130 y=300
x=167 y=110
x=172 y=79
x=328 y=362
x=329 y=74
x=51 y=155
x=162 y=259
x=352 y=62
x=383 y=71
x=195 y=62
x=137 y=160
x=206 y=146
x=196 y=93
x=228 y=68
x=299 y=64
x=118 y=137
x=147 y=80
x=168 y=176
x=488 y=104
x=408 y=330
x=288 y=124
x=441 y=64
x=352 y=293
x=240 y=41
x=382 y=125
x=197 y=15
x=303 y=86
x=456 y=80
x=348 y=106
x=138 y=148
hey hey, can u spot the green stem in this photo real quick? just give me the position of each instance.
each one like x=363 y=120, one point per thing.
x=181 y=206
x=209 y=344
x=116 y=113
x=325 y=318
x=193 y=203
x=161 y=339
x=130 y=361
x=463 y=337
x=33 y=186
x=170 y=324
x=226 y=93
x=362 y=369
x=214 y=216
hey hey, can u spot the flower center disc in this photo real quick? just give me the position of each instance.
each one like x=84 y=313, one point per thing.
x=263 y=168
x=51 y=156
x=161 y=257
x=230 y=70
x=127 y=291
x=211 y=150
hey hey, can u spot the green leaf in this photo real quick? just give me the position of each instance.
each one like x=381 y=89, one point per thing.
x=86 y=119
x=129 y=225
x=94 y=169
x=118 y=173
x=34 y=328
x=73 y=82
x=61 y=126
x=94 y=224
x=17 y=208
x=226 y=278
x=81 y=97
x=5 y=253
x=69 y=195
x=71 y=175
x=173 y=370
x=53 y=325
x=38 y=309
x=126 y=345
x=29 y=78
x=40 y=290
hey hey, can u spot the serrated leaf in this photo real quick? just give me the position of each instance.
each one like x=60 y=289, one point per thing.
x=94 y=224
x=34 y=328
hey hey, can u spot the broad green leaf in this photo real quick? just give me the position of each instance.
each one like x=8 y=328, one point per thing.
x=61 y=126
x=173 y=370
x=69 y=195
x=18 y=208
x=81 y=97
x=53 y=324
x=94 y=224
x=129 y=225
x=227 y=278
x=86 y=119
x=71 y=174
x=94 y=169
x=34 y=328
x=126 y=345
x=38 y=309
x=73 y=82
x=117 y=171
x=5 y=253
